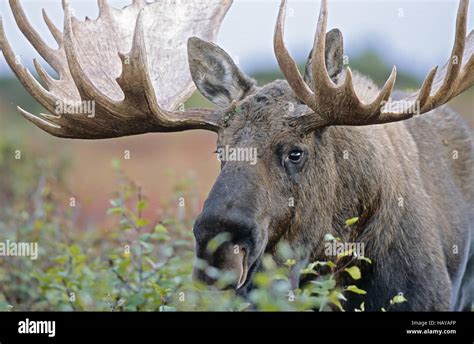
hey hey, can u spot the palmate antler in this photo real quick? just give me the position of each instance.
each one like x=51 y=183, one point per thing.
x=333 y=104
x=129 y=66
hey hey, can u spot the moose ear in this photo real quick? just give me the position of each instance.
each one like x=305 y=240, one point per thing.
x=215 y=74
x=334 y=57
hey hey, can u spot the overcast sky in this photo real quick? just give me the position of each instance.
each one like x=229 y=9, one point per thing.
x=414 y=35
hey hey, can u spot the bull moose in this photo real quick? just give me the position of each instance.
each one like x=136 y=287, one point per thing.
x=331 y=140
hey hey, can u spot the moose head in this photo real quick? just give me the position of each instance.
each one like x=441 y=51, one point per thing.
x=137 y=75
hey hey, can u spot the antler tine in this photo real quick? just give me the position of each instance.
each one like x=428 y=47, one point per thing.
x=386 y=91
x=469 y=67
x=320 y=74
x=425 y=89
x=138 y=2
x=103 y=6
x=28 y=81
x=58 y=35
x=455 y=62
x=458 y=48
x=47 y=79
x=32 y=35
x=287 y=64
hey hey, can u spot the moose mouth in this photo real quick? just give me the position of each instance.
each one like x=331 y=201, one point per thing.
x=244 y=269
x=239 y=264
x=248 y=270
x=246 y=278
x=240 y=257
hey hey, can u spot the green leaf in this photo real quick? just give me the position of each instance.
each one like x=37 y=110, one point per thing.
x=142 y=222
x=354 y=271
x=308 y=271
x=217 y=241
x=290 y=262
x=75 y=250
x=327 y=284
x=116 y=202
x=278 y=276
x=160 y=236
x=142 y=205
x=169 y=221
x=341 y=296
x=159 y=228
x=262 y=280
x=61 y=259
x=147 y=247
x=329 y=237
x=330 y=264
x=145 y=237
x=365 y=259
x=351 y=221
x=310 y=268
x=135 y=300
x=398 y=299
x=344 y=254
x=356 y=290
x=334 y=298
x=321 y=263
x=114 y=211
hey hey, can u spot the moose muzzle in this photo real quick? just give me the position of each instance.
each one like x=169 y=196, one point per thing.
x=227 y=234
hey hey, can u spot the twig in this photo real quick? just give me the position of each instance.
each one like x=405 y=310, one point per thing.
x=124 y=281
x=68 y=292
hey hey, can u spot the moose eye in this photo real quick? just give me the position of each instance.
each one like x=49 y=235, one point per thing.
x=295 y=155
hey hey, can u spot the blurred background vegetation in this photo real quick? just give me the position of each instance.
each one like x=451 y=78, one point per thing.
x=84 y=264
